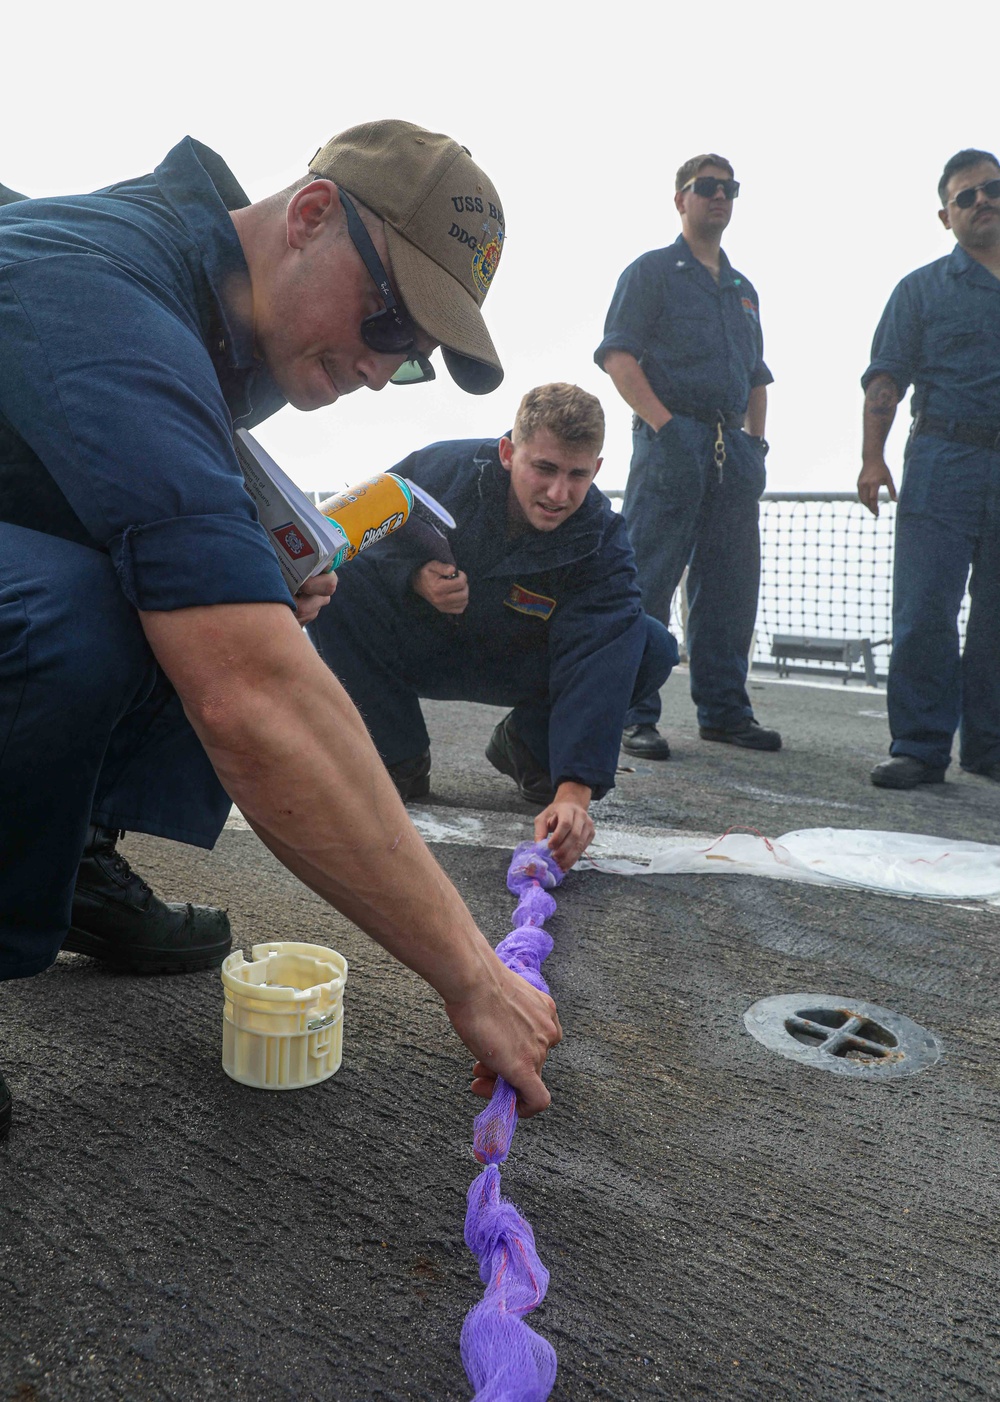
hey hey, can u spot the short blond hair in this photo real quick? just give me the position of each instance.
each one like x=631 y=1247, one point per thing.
x=567 y=411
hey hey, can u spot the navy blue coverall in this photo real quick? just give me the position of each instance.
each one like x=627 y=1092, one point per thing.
x=124 y=366
x=940 y=332
x=699 y=344
x=554 y=626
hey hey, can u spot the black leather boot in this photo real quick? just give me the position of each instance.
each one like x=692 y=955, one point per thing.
x=118 y=919
x=507 y=752
x=645 y=741
x=412 y=777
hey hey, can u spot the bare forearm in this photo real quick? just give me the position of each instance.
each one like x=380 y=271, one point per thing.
x=292 y=750
x=881 y=398
x=756 y=415
x=630 y=381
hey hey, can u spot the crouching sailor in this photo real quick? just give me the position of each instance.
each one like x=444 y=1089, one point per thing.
x=533 y=603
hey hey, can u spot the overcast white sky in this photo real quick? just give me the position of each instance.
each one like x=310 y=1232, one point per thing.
x=837 y=119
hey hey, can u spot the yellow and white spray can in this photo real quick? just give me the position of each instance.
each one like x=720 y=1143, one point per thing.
x=367 y=513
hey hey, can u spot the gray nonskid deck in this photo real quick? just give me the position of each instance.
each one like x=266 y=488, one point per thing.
x=718 y=1221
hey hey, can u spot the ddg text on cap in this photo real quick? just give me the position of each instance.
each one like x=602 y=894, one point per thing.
x=444 y=228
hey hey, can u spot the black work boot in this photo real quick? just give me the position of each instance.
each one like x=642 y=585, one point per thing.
x=117 y=918
x=6 y=1110
x=906 y=772
x=748 y=735
x=508 y=753
x=412 y=777
x=645 y=741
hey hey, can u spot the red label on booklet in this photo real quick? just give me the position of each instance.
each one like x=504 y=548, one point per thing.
x=291 y=541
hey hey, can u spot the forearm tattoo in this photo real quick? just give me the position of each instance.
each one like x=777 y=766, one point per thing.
x=881 y=398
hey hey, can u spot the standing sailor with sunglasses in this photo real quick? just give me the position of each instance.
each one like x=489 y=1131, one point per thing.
x=940 y=332
x=152 y=667
x=682 y=344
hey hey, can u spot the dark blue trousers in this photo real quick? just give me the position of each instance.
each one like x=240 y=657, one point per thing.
x=680 y=514
x=90 y=731
x=947 y=521
x=387 y=658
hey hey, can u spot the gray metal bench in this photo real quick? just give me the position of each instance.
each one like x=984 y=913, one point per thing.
x=846 y=651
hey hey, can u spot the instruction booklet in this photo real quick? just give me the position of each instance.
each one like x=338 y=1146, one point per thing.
x=305 y=541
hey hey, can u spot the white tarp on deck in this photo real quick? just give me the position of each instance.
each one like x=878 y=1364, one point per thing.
x=894 y=863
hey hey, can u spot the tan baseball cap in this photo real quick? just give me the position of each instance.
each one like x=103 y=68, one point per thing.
x=444 y=227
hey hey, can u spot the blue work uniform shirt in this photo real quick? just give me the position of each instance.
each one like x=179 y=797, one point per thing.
x=126 y=360
x=698 y=341
x=940 y=332
x=569 y=595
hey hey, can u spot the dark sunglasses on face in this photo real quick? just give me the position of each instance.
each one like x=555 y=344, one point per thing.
x=390 y=331
x=706 y=186
x=965 y=199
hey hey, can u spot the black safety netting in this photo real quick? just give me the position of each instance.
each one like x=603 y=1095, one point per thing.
x=826 y=574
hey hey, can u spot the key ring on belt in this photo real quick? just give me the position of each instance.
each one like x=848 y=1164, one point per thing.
x=719 y=448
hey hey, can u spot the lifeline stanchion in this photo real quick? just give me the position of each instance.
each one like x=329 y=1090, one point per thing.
x=506 y=1361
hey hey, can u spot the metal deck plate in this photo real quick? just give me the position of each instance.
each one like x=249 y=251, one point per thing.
x=845 y=1035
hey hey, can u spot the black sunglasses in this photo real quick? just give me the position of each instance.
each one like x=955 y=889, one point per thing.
x=706 y=186
x=390 y=331
x=965 y=199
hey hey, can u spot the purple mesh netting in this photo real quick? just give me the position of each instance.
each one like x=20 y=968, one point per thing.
x=506 y=1361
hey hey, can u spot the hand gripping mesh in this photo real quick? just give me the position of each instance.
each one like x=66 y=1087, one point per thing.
x=506 y=1361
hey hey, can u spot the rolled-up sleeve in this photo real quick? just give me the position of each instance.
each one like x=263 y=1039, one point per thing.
x=119 y=398
x=630 y=317
x=896 y=344
x=760 y=374
x=186 y=561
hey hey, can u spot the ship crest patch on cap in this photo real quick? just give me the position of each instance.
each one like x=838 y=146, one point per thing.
x=486 y=258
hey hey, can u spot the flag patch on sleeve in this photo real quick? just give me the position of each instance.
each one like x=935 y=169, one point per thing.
x=524 y=601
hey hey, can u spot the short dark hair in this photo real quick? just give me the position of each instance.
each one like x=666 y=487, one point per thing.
x=962 y=160
x=691 y=168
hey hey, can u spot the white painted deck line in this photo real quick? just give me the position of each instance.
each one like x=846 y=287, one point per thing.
x=479 y=828
x=619 y=850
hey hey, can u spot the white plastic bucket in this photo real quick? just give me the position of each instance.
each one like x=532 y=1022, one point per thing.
x=283 y=1021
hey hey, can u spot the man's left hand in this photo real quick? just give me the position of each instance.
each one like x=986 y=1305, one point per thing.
x=567 y=824
x=445 y=587
x=314 y=595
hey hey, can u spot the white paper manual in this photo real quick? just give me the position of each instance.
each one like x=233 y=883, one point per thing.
x=305 y=541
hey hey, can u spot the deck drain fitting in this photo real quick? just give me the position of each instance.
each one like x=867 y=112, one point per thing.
x=843 y=1035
